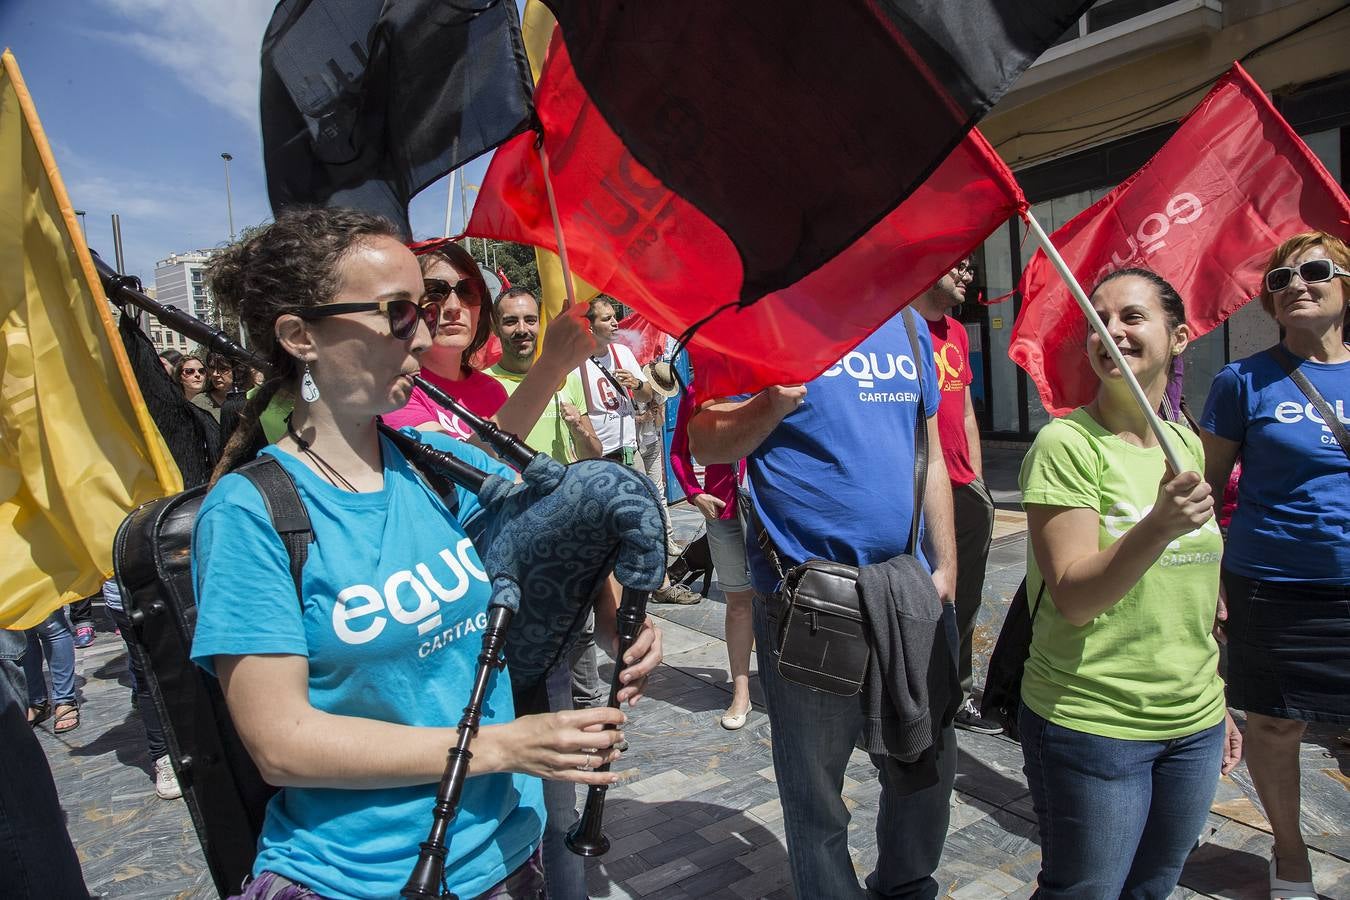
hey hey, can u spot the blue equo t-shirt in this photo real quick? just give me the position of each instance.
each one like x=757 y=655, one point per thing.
x=1293 y=515
x=835 y=479
x=395 y=601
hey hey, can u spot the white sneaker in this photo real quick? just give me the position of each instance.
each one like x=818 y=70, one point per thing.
x=166 y=783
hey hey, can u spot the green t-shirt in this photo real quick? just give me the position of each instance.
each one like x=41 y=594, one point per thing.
x=550 y=434
x=1146 y=669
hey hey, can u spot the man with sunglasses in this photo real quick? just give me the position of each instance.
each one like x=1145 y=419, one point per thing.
x=972 y=507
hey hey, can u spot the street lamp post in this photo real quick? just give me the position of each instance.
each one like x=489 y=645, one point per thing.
x=84 y=229
x=229 y=203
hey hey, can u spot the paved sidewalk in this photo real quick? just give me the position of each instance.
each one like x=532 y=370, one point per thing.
x=699 y=817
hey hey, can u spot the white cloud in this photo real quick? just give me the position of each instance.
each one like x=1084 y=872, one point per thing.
x=212 y=47
x=158 y=216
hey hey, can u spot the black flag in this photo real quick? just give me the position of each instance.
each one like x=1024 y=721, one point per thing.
x=366 y=102
x=797 y=126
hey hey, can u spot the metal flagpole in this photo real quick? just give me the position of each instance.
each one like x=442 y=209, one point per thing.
x=1095 y=321
x=449 y=203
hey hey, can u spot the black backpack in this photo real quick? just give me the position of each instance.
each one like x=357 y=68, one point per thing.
x=225 y=795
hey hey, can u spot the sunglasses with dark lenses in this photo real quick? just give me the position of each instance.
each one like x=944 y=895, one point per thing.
x=193 y=371
x=1314 y=271
x=439 y=290
x=403 y=314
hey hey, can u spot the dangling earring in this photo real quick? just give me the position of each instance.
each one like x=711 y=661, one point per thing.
x=309 y=391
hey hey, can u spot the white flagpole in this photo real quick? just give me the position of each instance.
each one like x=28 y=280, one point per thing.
x=449 y=203
x=557 y=230
x=1094 y=320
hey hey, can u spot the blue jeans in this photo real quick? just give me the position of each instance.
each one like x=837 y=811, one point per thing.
x=1117 y=818
x=813 y=736
x=54 y=639
x=136 y=667
x=36 y=856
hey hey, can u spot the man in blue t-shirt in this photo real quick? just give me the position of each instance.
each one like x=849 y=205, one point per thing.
x=830 y=468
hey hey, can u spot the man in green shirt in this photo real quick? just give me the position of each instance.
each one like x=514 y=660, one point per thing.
x=562 y=432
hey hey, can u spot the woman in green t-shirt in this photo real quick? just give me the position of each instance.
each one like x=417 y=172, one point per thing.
x=1123 y=724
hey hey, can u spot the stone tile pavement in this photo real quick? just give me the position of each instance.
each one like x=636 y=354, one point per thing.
x=699 y=815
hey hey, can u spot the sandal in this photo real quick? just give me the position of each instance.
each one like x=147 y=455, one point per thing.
x=67 y=718
x=39 y=712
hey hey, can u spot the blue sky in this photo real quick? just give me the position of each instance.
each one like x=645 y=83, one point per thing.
x=139 y=98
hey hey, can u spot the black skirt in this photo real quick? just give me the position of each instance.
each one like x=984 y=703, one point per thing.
x=1289 y=649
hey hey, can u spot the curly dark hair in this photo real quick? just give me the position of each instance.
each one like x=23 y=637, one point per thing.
x=464 y=262
x=293 y=262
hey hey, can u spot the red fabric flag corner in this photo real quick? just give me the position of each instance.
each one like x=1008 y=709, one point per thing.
x=1205 y=212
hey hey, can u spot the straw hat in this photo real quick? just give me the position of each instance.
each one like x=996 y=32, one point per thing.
x=662 y=379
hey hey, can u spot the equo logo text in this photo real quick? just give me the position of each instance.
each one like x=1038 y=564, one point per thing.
x=867 y=369
x=1151 y=234
x=409 y=596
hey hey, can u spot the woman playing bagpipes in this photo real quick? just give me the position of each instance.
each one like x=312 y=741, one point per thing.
x=346 y=695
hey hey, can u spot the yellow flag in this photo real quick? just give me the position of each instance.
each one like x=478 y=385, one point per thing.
x=537 y=25
x=78 y=450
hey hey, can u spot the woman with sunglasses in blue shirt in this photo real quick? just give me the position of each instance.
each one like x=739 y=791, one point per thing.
x=347 y=696
x=1286 y=565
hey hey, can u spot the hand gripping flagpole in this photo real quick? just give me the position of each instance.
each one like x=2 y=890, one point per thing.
x=1094 y=320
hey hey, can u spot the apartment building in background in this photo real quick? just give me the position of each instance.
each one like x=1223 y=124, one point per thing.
x=180 y=282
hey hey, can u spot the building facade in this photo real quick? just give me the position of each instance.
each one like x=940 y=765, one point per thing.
x=180 y=282
x=1099 y=104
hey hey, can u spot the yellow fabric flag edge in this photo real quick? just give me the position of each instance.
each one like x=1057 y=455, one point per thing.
x=166 y=470
x=537 y=25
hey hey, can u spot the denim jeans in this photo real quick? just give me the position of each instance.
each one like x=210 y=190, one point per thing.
x=36 y=856
x=54 y=639
x=136 y=664
x=564 y=871
x=813 y=736
x=1117 y=818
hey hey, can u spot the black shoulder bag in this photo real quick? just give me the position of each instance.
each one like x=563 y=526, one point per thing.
x=820 y=641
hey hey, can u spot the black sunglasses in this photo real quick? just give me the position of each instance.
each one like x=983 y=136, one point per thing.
x=1314 y=271
x=403 y=314
x=439 y=290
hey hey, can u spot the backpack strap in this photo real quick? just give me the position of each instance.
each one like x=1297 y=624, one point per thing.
x=285 y=508
x=920 y=434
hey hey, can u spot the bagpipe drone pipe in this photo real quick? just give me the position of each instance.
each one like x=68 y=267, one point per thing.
x=548 y=543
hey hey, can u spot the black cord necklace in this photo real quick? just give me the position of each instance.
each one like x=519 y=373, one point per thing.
x=333 y=475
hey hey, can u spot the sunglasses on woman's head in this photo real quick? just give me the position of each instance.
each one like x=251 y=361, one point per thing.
x=403 y=314
x=1314 y=271
x=439 y=290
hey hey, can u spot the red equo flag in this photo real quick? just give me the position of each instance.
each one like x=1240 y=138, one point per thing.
x=633 y=238
x=1205 y=212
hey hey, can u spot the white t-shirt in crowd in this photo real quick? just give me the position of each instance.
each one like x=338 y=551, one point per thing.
x=611 y=408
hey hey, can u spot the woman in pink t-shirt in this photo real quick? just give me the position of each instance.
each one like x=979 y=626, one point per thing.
x=453 y=278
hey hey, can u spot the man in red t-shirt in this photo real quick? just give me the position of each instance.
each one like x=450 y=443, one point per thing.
x=972 y=507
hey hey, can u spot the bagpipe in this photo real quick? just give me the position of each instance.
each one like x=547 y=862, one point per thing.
x=549 y=544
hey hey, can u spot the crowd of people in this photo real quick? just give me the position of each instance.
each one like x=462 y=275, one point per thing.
x=1125 y=722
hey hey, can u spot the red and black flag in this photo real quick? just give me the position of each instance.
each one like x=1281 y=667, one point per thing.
x=634 y=238
x=798 y=126
x=366 y=102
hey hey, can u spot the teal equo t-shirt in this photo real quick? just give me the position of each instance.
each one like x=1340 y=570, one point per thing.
x=1147 y=668
x=395 y=602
